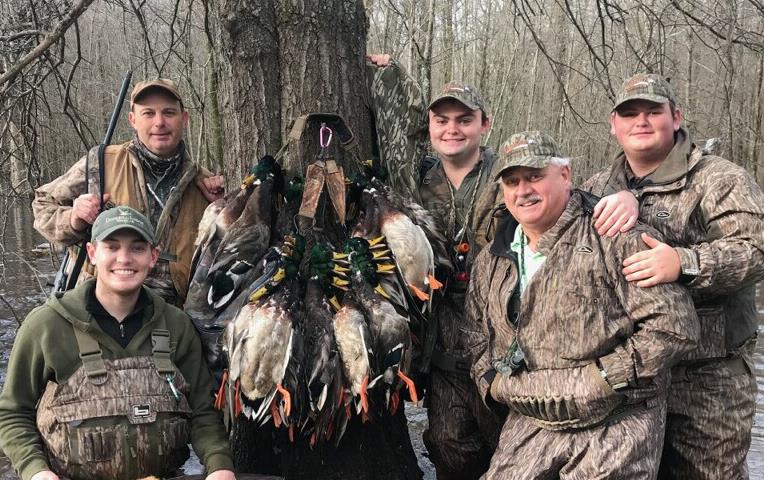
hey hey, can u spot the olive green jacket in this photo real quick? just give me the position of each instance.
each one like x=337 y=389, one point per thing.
x=46 y=350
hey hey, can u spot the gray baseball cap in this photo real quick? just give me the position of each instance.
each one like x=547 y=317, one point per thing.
x=120 y=218
x=646 y=86
x=463 y=93
x=532 y=149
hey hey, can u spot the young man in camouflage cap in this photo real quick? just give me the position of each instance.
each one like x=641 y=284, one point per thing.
x=105 y=381
x=712 y=212
x=153 y=173
x=456 y=185
x=579 y=355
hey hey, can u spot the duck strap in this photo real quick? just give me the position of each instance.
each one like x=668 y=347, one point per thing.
x=315 y=177
x=335 y=185
x=91 y=357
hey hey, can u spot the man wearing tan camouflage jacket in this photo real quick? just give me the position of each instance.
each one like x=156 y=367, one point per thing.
x=153 y=173
x=712 y=212
x=579 y=355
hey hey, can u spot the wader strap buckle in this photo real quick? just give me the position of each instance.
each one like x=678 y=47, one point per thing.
x=90 y=355
x=160 y=351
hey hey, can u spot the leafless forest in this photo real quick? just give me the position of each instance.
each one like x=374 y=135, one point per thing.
x=552 y=65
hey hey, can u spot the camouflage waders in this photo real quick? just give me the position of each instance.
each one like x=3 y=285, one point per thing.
x=117 y=419
x=711 y=407
x=627 y=448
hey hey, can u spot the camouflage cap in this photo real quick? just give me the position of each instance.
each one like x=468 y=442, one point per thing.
x=463 y=93
x=119 y=218
x=646 y=86
x=532 y=149
x=159 y=83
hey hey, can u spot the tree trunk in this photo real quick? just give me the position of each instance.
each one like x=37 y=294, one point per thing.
x=284 y=59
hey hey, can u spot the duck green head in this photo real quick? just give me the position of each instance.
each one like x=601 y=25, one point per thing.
x=294 y=189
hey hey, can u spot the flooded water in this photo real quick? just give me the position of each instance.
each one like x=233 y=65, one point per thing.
x=26 y=266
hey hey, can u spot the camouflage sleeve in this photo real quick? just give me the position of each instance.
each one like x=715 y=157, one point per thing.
x=665 y=323
x=52 y=205
x=732 y=209
x=400 y=115
x=478 y=343
x=208 y=435
x=25 y=380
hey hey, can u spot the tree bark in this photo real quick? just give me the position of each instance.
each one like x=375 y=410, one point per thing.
x=283 y=59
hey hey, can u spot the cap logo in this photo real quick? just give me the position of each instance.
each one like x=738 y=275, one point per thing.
x=516 y=145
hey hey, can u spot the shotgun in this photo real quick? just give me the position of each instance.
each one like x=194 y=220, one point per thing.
x=66 y=281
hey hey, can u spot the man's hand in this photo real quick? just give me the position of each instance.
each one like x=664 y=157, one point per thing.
x=45 y=475
x=221 y=475
x=616 y=213
x=85 y=209
x=379 y=59
x=659 y=264
x=212 y=188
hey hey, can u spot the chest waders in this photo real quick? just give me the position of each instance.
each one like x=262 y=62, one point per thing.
x=117 y=419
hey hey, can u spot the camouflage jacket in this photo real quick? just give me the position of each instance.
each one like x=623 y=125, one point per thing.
x=45 y=350
x=400 y=117
x=712 y=212
x=577 y=308
x=175 y=226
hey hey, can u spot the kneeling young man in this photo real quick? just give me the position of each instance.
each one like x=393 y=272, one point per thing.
x=107 y=380
x=579 y=355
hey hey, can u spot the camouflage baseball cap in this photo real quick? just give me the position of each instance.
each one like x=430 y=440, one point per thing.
x=119 y=218
x=646 y=86
x=159 y=83
x=463 y=93
x=527 y=149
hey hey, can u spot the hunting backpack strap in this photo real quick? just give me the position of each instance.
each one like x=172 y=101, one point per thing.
x=91 y=357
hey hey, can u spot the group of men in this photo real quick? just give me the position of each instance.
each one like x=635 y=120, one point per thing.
x=572 y=341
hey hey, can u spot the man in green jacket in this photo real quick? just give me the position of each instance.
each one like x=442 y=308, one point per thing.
x=105 y=381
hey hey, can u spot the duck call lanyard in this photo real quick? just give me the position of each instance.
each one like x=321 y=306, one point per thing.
x=461 y=244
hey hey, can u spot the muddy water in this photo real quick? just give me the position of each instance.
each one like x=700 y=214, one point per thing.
x=26 y=266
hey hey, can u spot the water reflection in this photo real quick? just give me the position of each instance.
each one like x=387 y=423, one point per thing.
x=25 y=269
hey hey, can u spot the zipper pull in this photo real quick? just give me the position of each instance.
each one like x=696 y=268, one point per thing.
x=122 y=330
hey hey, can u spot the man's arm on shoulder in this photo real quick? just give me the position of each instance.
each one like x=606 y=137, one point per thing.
x=52 y=205
x=24 y=383
x=208 y=435
x=665 y=323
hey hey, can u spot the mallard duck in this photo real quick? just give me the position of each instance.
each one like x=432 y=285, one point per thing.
x=264 y=347
x=323 y=367
x=407 y=240
x=215 y=221
x=247 y=239
x=354 y=343
x=389 y=329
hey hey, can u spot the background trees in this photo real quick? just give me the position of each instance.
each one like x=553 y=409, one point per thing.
x=546 y=64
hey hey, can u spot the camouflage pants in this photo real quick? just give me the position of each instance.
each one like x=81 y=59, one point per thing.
x=711 y=407
x=628 y=448
x=462 y=432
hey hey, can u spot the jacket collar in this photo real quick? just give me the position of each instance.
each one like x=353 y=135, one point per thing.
x=580 y=203
x=670 y=174
x=71 y=306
